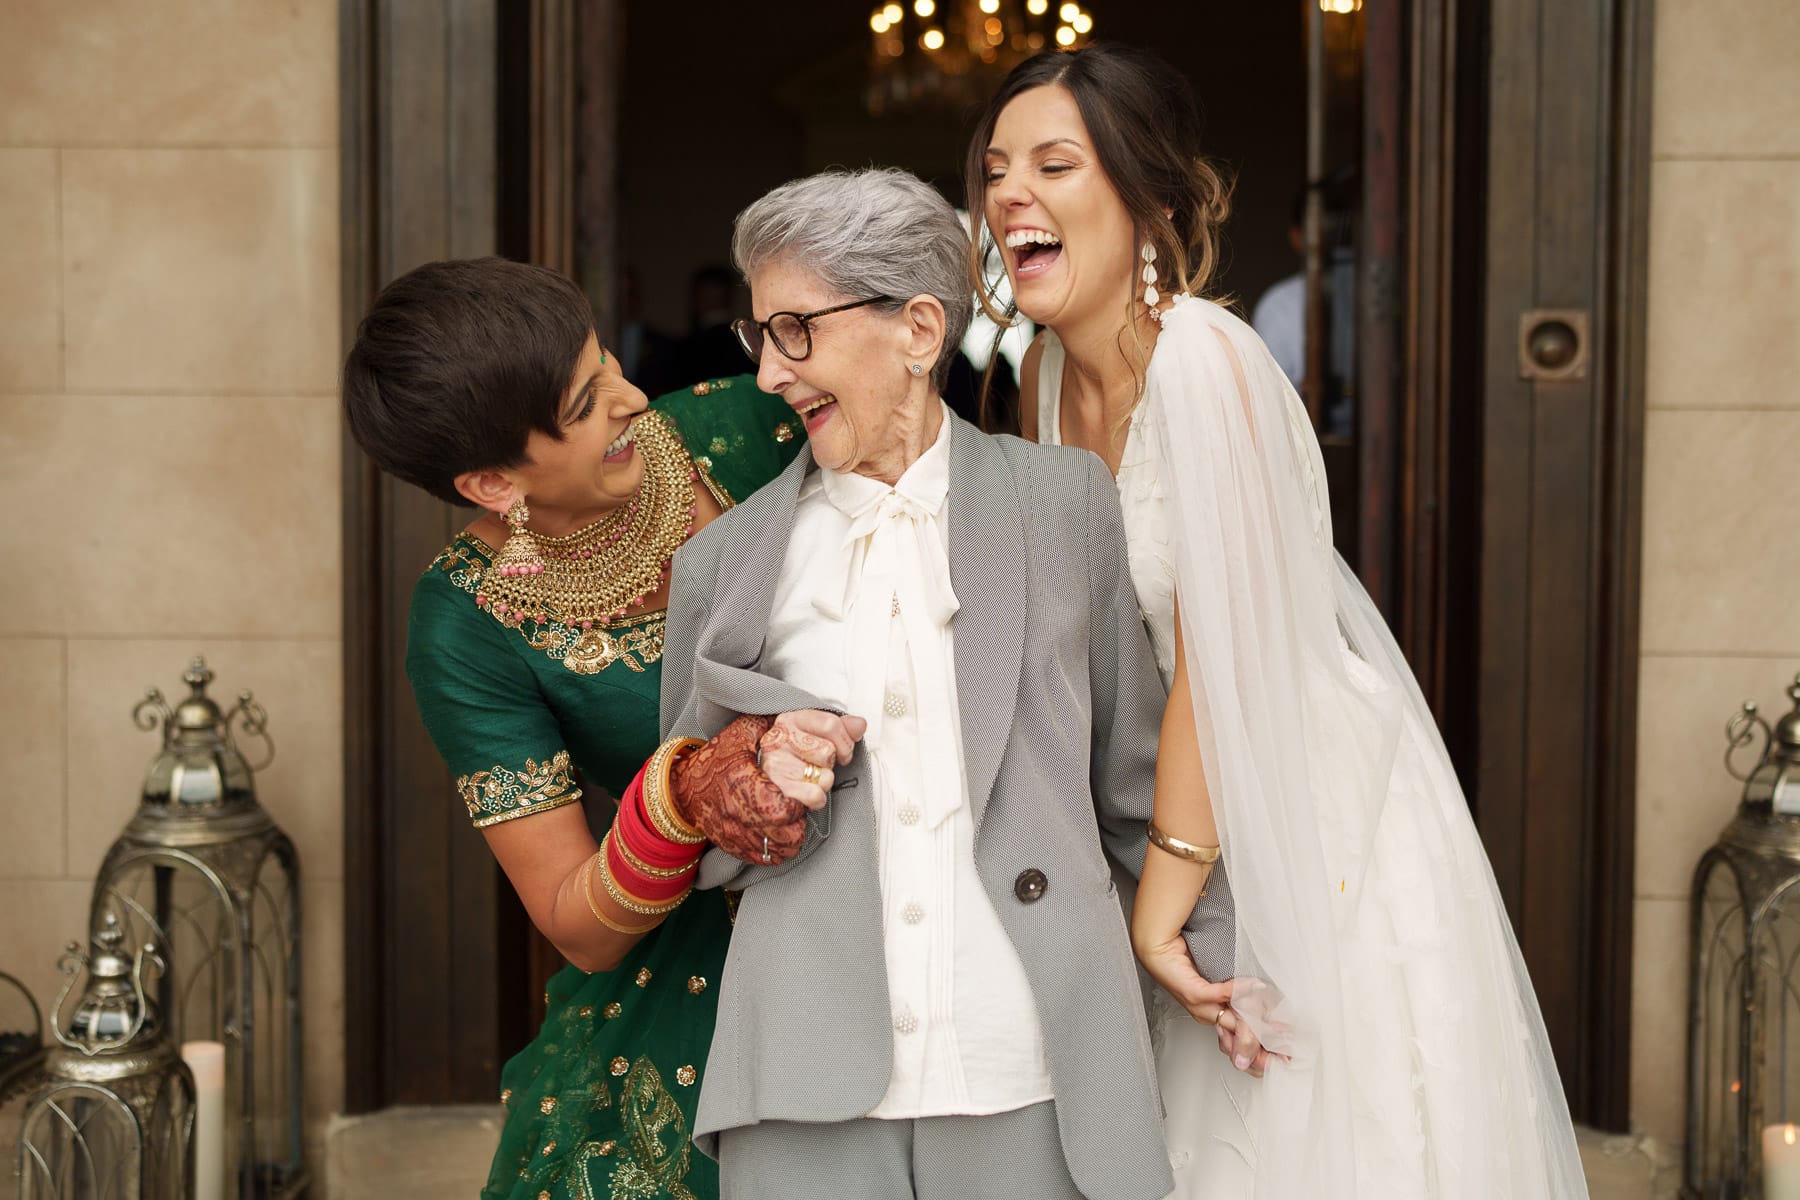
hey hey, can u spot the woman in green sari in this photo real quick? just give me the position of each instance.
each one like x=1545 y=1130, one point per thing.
x=534 y=649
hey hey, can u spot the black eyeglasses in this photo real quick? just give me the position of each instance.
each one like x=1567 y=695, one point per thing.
x=791 y=332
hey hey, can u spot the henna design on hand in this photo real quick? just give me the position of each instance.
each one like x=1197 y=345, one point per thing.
x=720 y=789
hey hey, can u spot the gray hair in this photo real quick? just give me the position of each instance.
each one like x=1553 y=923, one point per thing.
x=879 y=231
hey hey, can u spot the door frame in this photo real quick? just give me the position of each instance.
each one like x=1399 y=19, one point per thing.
x=423 y=130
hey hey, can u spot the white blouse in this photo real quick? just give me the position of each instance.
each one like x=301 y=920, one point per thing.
x=862 y=618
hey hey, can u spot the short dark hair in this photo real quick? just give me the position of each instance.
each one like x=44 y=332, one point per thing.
x=457 y=363
x=1141 y=113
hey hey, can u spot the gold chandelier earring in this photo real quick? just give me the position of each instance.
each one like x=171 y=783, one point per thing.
x=519 y=556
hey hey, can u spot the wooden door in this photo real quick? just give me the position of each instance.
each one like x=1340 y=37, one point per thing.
x=1561 y=415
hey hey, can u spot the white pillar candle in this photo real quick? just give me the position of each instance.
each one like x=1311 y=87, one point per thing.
x=207 y=1061
x=1781 y=1162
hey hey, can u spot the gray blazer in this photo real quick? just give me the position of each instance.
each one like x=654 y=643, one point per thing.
x=1060 y=704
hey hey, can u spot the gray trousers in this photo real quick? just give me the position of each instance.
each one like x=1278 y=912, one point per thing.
x=1000 y=1157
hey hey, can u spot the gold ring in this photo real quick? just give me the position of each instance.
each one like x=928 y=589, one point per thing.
x=812 y=773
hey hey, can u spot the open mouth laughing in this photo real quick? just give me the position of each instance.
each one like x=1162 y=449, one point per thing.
x=620 y=447
x=1033 y=251
x=815 y=412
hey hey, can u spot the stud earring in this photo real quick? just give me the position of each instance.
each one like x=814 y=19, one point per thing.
x=519 y=556
x=917 y=369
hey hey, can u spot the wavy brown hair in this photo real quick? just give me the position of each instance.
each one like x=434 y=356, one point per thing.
x=1145 y=127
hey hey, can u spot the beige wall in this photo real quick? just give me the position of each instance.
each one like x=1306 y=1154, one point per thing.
x=168 y=434
x=1721 y=621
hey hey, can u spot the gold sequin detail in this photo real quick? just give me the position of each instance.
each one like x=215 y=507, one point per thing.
x=784 y=432
x=608 y=1146
x=685 y=1076
x=506 y=1096
x=620 y=1065
x=614 y=1009
x=501 y=793
x=696 y=984
x=543 y=1196
x=586 y=1010
x=703 y=462
x=636 y=640
x=643 y=977
x=547 y=1105
x=719 y=446
x=548 y=1150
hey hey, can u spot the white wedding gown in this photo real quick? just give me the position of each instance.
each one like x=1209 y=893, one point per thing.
x=1419 y=1063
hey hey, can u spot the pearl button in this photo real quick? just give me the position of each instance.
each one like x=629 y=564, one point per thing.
x=895 y=706
x=906 y=1023
x=908 y=815
x=913 y=913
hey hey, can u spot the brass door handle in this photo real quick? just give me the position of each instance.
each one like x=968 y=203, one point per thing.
x=1553 y=343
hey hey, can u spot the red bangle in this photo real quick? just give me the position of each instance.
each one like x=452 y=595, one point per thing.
x=641 y=887
x=646 y=846
x=638 y=836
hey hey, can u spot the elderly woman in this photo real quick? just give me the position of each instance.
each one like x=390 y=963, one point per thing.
x=937 y=992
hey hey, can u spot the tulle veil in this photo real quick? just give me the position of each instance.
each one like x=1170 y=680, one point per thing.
x=1417 y=1062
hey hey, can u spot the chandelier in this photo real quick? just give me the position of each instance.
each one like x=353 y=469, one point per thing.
x=953 y=53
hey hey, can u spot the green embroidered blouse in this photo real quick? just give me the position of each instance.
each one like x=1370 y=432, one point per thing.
x=599 y=1105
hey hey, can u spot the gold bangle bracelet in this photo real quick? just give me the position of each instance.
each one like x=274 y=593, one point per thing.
x=1204 y=857
x=1180 y=849
x=587 y=886
x=631 y=903
x=659 y=801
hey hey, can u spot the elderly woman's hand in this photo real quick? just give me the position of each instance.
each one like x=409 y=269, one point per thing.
x=720 y=790
x=801 y=748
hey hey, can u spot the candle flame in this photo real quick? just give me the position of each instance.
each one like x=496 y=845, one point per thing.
x=1736 y=1087
x=1787 y=1135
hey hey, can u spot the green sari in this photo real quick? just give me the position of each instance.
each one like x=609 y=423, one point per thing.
x=599 y=1106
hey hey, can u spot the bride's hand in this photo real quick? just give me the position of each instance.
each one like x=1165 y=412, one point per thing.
x=1239 y=1043
x=1169 y=965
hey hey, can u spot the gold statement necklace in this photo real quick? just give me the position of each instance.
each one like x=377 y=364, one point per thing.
x=601 y=571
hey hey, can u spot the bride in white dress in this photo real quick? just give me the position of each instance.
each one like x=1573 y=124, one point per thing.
x=1381 y=1037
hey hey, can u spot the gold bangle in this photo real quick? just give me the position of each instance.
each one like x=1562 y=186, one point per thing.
x=587 y=886
x=1179 y=848
x=659 y=800
x=1205 y=857
x=626 y=900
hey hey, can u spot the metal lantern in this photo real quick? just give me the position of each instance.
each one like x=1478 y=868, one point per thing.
x=21 y=1033
x=204 y=872
x=1743 y=1121
x=110 y=1109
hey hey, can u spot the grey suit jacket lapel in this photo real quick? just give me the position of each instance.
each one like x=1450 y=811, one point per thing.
x=752 y=552
x=731 y=643
x=987 y=572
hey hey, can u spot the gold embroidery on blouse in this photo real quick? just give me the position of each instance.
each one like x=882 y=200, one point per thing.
x=636 y=640
x=501 y=794
x=719 y=494
x=590 y=651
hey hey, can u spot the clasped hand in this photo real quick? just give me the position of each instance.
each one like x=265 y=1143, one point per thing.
x=749 y=788
x=1169 y=965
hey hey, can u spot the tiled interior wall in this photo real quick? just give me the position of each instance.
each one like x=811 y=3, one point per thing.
x=168 y=435
x=1721 y=622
